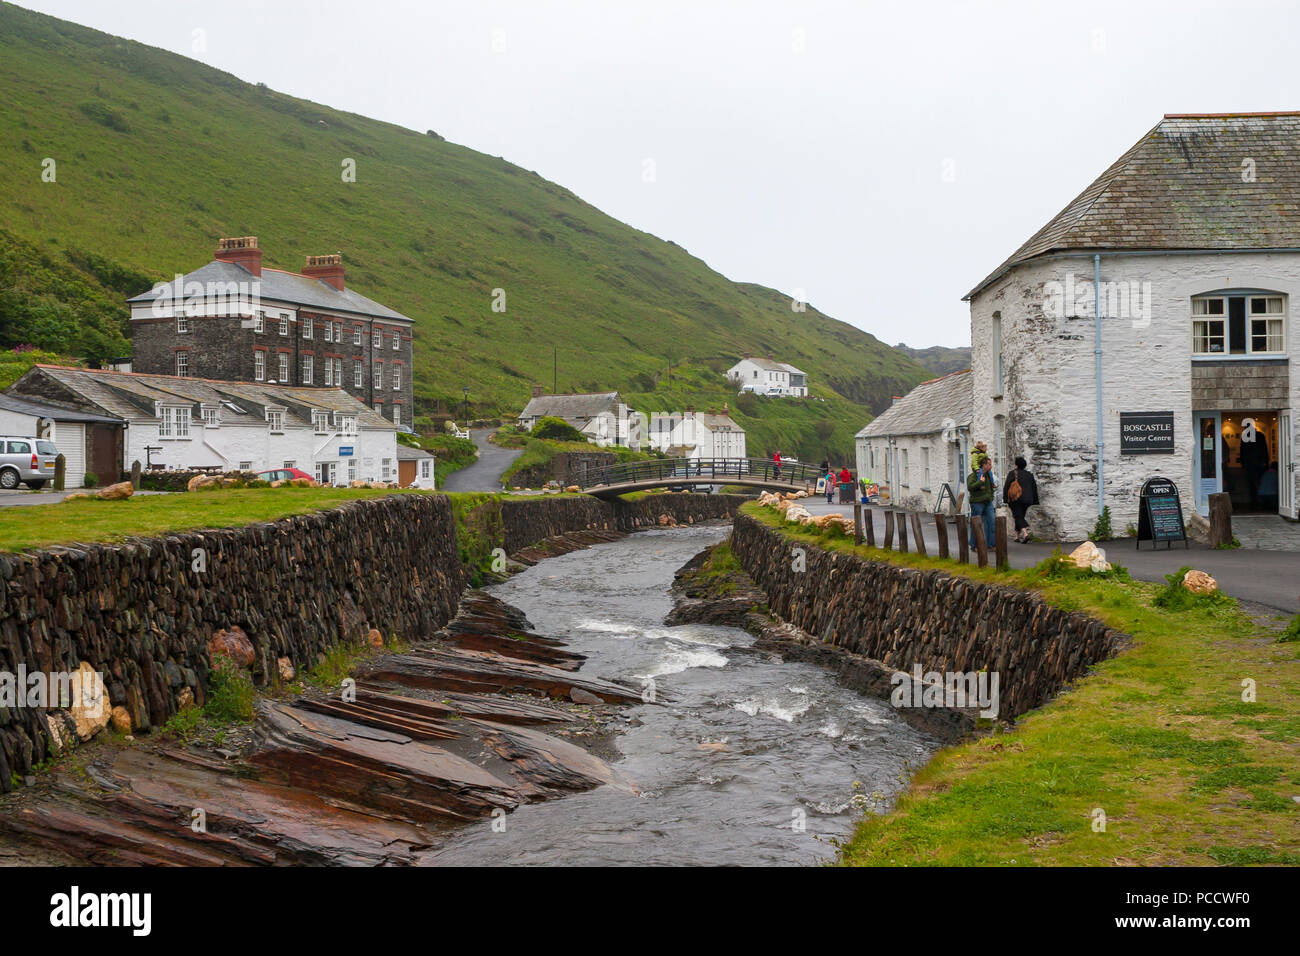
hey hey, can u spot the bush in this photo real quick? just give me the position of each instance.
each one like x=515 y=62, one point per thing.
x=1101 y=530
x=1174 y=597
x=230 y=692
x=556 y=429
x=90 y=480
x=1292 y=633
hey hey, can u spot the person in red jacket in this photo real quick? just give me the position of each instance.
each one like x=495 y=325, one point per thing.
x=846 y=485
x=776 y=465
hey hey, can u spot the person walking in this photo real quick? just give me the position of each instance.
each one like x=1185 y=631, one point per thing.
x=776 y=465
x=830 y=484
x=1020 y=492
x=846 y=485
x=979 y=488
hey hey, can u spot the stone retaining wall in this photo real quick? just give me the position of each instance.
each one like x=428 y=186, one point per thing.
x=904 y=616
x=526 y=521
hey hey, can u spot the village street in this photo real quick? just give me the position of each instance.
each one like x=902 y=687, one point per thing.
x=485 y=473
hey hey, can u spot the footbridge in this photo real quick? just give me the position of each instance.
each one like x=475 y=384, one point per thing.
x=614 y=480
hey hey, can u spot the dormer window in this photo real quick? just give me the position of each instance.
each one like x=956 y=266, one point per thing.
x=275 y=419
x=211 y=416
x=320 y=421
x=347 y=424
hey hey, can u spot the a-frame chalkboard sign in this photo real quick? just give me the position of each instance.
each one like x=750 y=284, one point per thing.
x=1160 y=514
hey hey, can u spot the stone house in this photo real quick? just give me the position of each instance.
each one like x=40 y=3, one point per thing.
x=767 y=376
x=91 y=443
x=1145 y=330
x=693 y=434
x=602 y=417
x=175 y=423
x=920 y=444
x=235 y=320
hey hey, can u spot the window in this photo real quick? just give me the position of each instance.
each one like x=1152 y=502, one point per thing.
x=20 y=448
x=356 y=335
x=925 y=467
x=290 y=464
x=397 y=378
x=1239 y=325
x=397 y=414
x=259 y=366
x=307 y=328
x=183 y=363
x=245 y=466
x=329 y=372
x=348 y=425
x=275 y=419
x=284 y=323
x=320 y=421
x=338 y=371
x=329 y=331
x=386 y=468
x=182 y=323
x=904 y=478
x=308 y=368
x=424 y=467
x=397 y=340
x=211 y=416
x=284 y=366
x=357 y=373
x=173 y=422
x=997 y=354
x=379 y=376
x=377 y=340
x=352 y=470
x=260 y=324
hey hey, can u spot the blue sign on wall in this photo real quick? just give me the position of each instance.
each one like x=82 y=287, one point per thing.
x=345 y=451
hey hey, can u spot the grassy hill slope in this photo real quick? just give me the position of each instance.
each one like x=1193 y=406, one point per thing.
x=157 y=156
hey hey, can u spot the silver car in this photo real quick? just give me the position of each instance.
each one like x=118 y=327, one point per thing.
x=26 y=460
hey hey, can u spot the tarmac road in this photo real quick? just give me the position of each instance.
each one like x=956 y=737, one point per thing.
x=485 y=473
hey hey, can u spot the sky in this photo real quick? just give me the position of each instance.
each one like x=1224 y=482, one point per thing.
x=873 y=159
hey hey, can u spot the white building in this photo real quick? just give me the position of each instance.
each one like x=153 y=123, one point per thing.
x=692 y=434
x=1146 y=330
x=920 y=444
x=90 y=443
x=176 y=423
x=768 y=377
x=602 y=417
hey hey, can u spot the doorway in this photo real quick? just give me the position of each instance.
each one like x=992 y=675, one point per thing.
x=1249 y=461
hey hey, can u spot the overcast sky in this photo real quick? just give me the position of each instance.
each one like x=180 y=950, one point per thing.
x=877 y=159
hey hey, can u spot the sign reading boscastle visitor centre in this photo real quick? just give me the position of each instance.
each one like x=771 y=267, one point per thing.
x=1146 y=433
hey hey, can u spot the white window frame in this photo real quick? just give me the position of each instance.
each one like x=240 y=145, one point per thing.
x=377 y=340
x=1205 y=318
x=245 y=466
x=356 y=335
x=275 y=422
x=260 y=324
x=329 y=371
x=397 y=414
x=377 y=377
x=1268 y=318
x=358 y=375
x=1204 y=336
x=397 y=340
x=182 y=363
x=320 y=421
x=904 y=478
x=284 y=323
x=284 y=367
x=308 y=369
x=182 y=323
x=211 y=416
x=308 y=327
x=397 y=378
x=259 y=365
x=348 y=425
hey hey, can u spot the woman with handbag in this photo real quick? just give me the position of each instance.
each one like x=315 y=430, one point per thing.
x=1020 y=492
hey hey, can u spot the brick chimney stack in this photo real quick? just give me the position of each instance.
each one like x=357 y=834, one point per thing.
x=326 y=268
x=746 y=355
x=242 y=251
x=537 y=391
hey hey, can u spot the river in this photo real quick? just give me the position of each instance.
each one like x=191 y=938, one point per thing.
x=744 y=759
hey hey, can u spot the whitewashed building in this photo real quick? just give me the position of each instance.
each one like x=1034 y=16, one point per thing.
x=920 y=444
x=602 y=417
x=692 y=434
x=178 y=423
x=90 y=443
x=1146 y=330
x=767 y=376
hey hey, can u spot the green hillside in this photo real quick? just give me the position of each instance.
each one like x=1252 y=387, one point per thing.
x=157 y=156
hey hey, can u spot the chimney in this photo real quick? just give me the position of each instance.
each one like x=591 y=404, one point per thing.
x=690 y=411
x=326 y=268
x=771 y=357
x=537 y=391
x=242 y=251
x=746 y=355
x=726 y=410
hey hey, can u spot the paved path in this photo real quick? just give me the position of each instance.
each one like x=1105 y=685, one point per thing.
x=21 y=496
x=485 y=473
x=1270 y=578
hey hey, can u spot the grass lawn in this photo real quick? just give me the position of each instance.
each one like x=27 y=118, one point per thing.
x=90 y=520
x=1158 y=739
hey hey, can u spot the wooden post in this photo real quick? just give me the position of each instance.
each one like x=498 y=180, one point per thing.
x=902 y=532
x=871 y=527
x=60 y=472
x=917 y=534
x=941 y=528
x=889 y=529
x=135 y=474
x=1000 y=541
x=857 y=524
x=1220 y=519
x=981 y=543
x=963 y=540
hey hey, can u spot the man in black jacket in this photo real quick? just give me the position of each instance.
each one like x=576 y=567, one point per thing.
x=1019 y=491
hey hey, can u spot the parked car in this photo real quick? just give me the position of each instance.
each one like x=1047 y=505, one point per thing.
x=26 y=460
x=284 y=474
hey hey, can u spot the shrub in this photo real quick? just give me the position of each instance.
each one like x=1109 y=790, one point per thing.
x=1101 y=530
x=556 y=429
x=230 y=692
x=90 y=480
x=1292 y=633
x=1174 y=597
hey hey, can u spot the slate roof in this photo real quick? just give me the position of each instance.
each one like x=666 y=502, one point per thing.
x=280 y=286
x=711 y=421
x=571 y=407
x=407 y=453
x=1181 y=187
x=922 y=411
x=131 y=395
x=772 y=366
x=26 y=406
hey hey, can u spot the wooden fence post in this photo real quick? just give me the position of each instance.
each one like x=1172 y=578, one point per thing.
x=889 y=529
x=963 y=540
x=857 y=524
x=941 y=528
x=902 y=532
x=918 y=534
x=135 y=474
x=981 y=542
x=60 y=472
x=1000 y=541
x=1221 y=519
x=871 y=527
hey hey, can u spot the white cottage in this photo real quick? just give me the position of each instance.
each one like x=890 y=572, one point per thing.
x=920 y=444
x=692 y=434
x=602 y=417
x=768 y=377
x=1146 y=330
x=178 y=423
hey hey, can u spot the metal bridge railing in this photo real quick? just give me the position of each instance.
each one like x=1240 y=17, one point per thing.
x=700 y=471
